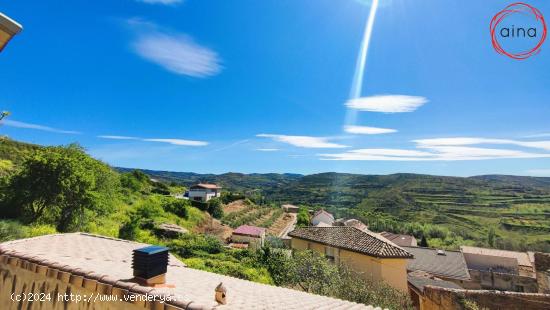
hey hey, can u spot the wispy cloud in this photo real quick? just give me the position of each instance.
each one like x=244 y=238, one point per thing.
x=180 y=142
x=176 y=52
x=448 y=149
x=118 y=137
x=17 y=124
x=304 y=141
x=429 y=143
x=267 y=150
x=387 y=103
x=365 y=130
x=165 y=2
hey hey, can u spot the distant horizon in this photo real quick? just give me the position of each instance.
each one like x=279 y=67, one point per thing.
x=325 y=172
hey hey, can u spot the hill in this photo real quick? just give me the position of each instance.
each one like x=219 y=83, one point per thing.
x=463 y=210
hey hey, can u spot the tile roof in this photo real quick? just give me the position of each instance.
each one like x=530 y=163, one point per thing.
x=522 y=257
x=352 y=239
x=451 y=265
x=206 y=185
x=248 y=230
x=420 y=282
x=322 y=211
x=400 y=240
x=108 y=260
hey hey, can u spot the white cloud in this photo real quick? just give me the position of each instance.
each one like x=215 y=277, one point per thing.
x=165 y=2
x=448 y=149
x=169 y=141
x=175 y=52
x=304 y=141
x=16 y=124
x=428 y=143
x=118 y=137
x=387 y=103
x=179 y=142
x=267 y=150
x=365 y=130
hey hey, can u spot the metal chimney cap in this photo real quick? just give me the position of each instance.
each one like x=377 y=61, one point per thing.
x=9 y=25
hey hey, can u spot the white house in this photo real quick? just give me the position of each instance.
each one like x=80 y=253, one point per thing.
x=322 y=216
x=204 y=192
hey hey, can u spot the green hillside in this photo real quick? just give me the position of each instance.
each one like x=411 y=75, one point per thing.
x=450 y=210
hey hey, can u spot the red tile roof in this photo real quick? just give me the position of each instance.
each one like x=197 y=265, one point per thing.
x=206 y=186
x=352 y=239
x=400 y=240
x=248 y=230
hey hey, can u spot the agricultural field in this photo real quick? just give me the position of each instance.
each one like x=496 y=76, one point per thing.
x=242 y=212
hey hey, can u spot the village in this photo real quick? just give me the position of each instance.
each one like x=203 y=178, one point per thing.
x=432 y=278
x=398 y=259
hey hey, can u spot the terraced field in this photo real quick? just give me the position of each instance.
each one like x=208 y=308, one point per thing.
x=239 y=213
x=518 y=220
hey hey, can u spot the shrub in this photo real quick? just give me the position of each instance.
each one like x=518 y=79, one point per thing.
x=215 y=208
x=178 y=207
x=303 y=217
x=10 y=230
x=195 y=244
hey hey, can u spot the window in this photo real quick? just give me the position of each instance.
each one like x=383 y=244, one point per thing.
x=330 y=253
x=520 y=288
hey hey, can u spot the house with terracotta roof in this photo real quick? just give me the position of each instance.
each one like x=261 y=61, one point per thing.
x=399 y=239
x=204 y=191
x=350 y=222
x=251 y=235
x=96 y=268
x=322 y=216
x=363 y=251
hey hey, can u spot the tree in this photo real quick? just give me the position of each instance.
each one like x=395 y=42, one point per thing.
x=303 y=217
x=62 y=186
x=215 y=208
x=424 y=242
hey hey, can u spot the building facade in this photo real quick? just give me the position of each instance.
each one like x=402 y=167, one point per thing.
x=365 y=253
x=203 y=192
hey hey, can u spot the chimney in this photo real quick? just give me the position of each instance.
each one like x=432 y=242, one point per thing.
x=150 y=265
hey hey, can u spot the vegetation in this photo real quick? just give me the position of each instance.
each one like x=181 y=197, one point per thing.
x=450 y=210
x=303 y=217
x=313 y=273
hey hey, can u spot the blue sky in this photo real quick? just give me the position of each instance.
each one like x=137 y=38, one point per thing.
x=264 y=86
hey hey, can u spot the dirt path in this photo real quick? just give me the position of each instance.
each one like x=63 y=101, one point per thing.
x=282 y=224
x=234 y=206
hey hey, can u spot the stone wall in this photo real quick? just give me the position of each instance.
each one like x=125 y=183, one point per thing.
x=30 y=286
x=437 y=298
x=501 y=281
x=542 y=266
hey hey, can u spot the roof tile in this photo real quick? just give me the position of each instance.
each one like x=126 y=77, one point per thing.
x=352 y=239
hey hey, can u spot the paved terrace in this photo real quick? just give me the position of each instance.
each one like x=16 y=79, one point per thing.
x=104 y=264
